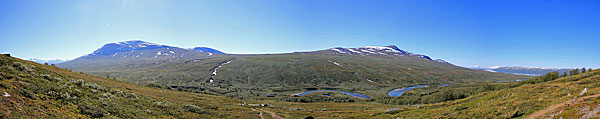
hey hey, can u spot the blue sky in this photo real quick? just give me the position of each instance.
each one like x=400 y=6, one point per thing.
x=535 y=33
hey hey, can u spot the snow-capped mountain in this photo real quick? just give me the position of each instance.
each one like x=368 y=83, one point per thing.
x=372 y=51
x=375 y=50
x=41 y=61
x=142 y=49
x=115 y=48
x=532 y=71
x=112 y=48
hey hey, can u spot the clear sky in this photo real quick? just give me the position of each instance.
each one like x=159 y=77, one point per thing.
x=535 y=33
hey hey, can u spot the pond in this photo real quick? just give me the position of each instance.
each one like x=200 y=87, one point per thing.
x=357 y=95
x=399 y=91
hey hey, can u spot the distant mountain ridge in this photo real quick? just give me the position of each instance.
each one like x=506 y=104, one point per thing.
x=42 y=61
x=532 y=71
x=143 y=49
x=112 y=48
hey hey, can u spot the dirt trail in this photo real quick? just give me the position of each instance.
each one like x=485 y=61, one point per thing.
x=259 y=113
x=273 y=114
x=556 y=106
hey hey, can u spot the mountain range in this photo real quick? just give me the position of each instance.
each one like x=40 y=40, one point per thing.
x=138 y=48
x=531 y=71
x=42 y=61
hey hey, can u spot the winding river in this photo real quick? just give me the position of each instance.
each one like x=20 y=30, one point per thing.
x=399 y=91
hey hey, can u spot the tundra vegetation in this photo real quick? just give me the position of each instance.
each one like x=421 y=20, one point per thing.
x=31 y=90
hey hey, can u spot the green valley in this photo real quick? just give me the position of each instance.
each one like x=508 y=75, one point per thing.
x=280 y=75
x=299 y=59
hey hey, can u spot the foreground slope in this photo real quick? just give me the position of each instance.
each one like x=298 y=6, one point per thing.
x=553 y=99
x=31 y=90
x=575 y=96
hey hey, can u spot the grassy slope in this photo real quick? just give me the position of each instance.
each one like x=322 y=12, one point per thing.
x=513 y=102
x=41 y=91
x=518 y=102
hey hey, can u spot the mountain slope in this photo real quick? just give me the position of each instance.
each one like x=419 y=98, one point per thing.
x=369 y=71
x=31 y=90
x=132 y=51
x=143 y=50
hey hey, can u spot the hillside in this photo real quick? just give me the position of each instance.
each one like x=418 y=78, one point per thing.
x=369 y=70
x=31 y=90
x=560 y=98
x=548 y=96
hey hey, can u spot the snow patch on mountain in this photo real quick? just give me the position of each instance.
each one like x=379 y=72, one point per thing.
x=338 y=50
x=352 y=50
x=367 y=51
x=334 y=62
x=214 y=73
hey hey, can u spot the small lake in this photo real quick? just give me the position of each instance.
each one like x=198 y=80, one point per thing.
x=399 y=91
x=357 y=95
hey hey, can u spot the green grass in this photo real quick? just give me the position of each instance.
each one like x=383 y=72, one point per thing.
x=511 y=102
